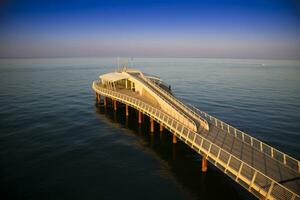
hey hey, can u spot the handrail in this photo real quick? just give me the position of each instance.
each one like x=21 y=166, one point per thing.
x=257 y=144
x=174 y=99
x=184 y=115
x=255 y=180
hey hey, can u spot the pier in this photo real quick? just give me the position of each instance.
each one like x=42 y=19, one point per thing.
x=263 y=170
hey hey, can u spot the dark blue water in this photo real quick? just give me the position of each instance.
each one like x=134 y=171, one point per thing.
x=56 y=143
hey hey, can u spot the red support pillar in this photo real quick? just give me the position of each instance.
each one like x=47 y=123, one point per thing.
x=140 y=117
x=161 y=127
x=99 y=98
x=174 y=139
x=115 y=104
x=105 y=101
x=151 y=125
x=126 y=110
x=204 y=164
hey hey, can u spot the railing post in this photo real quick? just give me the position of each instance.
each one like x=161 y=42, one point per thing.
x=239 y=172
x=227 y=164
x=209 y=148
x=272 y=152
x=182 y=129
x=217 y=159
x=195 y=135
x=176 y=128
x=172 y=123
x=252 y=181
x=200 y=146
x=270 y=190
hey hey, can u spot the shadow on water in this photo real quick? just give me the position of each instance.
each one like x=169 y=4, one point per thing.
x=184 y=164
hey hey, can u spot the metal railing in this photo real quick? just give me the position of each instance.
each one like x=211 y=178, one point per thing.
x=175 y=114
x=175 y=100
x=257 y=144
x=183 y=119
x=256 y=182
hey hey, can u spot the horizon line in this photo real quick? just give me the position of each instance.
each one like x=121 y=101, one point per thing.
x=130 y=57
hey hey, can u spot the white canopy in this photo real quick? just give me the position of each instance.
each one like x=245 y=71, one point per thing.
x=113 y=77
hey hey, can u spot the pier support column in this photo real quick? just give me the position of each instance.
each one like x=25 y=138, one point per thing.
x=105 y=101
x=140 y=117
x=115 y=104
x=161 y=127
x=174 y=139
x=151 y=125
x=204 y=164
x=126 y=110
x=99 y=98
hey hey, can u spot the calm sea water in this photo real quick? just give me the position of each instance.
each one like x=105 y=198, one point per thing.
x=56 y=143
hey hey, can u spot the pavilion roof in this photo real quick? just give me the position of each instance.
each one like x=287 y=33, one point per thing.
x=113 y=77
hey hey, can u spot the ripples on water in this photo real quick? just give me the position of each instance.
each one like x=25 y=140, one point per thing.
x=57 y=144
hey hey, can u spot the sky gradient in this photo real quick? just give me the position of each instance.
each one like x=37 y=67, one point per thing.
x=216 y=28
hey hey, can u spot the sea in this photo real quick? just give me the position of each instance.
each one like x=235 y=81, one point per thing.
x=56 y=142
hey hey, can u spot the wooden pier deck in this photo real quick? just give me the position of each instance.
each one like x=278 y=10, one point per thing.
x=261 y=169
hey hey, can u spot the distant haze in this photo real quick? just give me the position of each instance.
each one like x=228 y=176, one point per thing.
x=226 y=29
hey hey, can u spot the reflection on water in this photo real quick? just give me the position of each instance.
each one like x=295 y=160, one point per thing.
x=180 y=164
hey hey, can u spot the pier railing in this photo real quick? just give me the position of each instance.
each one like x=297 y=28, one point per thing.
x=257 y=144
x=184 y=120
x=176 y=101
x=253 y=180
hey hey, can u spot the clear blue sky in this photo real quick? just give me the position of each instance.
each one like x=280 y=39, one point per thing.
x=212 y=28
